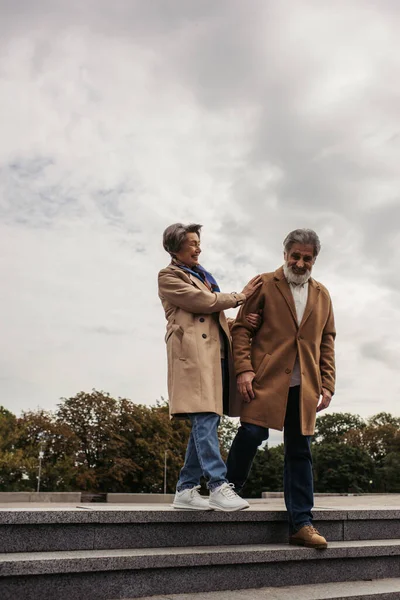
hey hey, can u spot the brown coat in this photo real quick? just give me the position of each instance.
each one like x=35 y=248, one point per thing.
x=194 y=323
x=272 y=352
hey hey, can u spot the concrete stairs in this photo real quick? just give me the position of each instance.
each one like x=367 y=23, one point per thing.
x=110 y=553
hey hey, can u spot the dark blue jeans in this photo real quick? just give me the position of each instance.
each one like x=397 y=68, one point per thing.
x=298 y=476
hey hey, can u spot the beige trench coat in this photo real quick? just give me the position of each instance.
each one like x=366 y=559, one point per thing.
x=271 y=354
x=194 y=322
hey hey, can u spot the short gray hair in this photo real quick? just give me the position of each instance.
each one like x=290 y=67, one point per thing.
x=174 y=236
x=302 y=236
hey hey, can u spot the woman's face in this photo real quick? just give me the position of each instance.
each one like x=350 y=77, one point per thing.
x=190 y=250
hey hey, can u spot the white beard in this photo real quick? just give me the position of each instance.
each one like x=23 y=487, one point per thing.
x=293 y=277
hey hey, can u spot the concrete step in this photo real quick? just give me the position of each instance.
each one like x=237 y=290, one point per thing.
x=97 y=528
x=116 y=574
x=381 y=589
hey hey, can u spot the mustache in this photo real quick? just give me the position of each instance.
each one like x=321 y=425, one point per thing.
x=297 y=278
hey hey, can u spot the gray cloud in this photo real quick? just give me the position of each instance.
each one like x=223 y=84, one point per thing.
x=252 y=118
x=111 y=331
x=378 y=350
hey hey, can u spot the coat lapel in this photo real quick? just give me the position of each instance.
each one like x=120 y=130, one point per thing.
x=194 y=280
x=313 y=293
x=197 y=282
x=284 y=289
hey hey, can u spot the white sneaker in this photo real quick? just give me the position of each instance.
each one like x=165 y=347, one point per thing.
x=225 y=498
x=190 y=499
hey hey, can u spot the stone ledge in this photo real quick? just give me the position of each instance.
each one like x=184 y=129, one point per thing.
x=140 y=498
x=22 y=564
x=88 y=514
x=56 y=497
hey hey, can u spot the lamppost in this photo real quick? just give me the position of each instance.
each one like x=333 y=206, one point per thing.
x=41 y=455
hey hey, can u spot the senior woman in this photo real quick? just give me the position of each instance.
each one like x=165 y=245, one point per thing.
x=201 y=377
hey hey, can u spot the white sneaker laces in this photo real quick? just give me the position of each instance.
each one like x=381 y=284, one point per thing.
x=227 y=489
x=195 y=491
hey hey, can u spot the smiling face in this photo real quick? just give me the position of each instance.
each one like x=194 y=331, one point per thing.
x=190 y=250
x=299 y=263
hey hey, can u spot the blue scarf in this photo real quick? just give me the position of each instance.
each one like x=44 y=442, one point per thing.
x=200 y=272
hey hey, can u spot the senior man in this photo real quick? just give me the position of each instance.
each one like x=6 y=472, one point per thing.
x=286 y=374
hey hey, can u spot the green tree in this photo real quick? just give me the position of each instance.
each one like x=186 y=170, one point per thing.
x=91 y=417
x=266 y=473
x=121 y=445
x=384 y=418
x=381 y=439
x=98 y=443
x=8 y=429
x=341 y=468
x=146 y=433
x=226 y=432
x=39 y=431
x=389 y=473
x=330 y=428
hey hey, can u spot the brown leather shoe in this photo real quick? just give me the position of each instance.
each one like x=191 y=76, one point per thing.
x=309 y=537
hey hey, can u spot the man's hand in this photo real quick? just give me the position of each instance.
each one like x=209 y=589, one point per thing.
x=244 y=384
x=252 y=286
x=325 y=400
x=255 y=320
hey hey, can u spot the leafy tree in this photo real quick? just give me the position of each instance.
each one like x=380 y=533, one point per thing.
x=91 y=417
x=122 y=445
x=102 y=444
x=384 y=418
x=39 y=431
x=342 y=468
x=267 y=472
x=14 y=468
x=145 y=433
x=330 y=428
x=378 y=441
x=8 y=428
x=389 y=473
x=226 y=432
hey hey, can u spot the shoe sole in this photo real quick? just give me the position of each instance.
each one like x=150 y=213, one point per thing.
x=306 y=545
x=186 y=507
x=233 y=509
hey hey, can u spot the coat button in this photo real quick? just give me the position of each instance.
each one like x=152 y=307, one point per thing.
x=204 y=336
x=288 y=371
x=202 y=319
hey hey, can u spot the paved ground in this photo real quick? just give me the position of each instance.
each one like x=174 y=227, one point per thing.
x=365 y=502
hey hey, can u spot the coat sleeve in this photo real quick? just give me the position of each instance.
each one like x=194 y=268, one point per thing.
x=230 y=322
x=191 y=298
x=242 y=332
x=327 y=352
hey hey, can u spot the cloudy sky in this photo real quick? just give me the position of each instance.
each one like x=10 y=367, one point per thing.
x=253 y=118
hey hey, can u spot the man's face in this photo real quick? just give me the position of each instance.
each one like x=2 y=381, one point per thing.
x=190 y=250
x=300 y=260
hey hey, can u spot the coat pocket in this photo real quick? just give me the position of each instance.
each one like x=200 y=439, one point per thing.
x=174 y=329
x=262 y=367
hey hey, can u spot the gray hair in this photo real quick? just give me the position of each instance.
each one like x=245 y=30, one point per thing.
x=302 y=236
x=174 y=236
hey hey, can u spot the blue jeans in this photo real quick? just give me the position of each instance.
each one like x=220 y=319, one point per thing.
x=202 y=454
x=297 y=477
